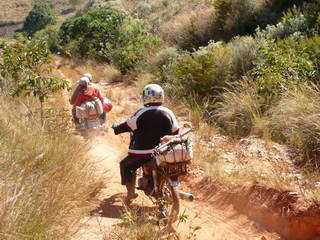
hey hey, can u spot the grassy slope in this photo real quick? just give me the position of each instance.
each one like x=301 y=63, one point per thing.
x=13 y=12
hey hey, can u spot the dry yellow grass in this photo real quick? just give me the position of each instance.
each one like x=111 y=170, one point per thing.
x=46 y=179
x=13 y=12
x=17 y=10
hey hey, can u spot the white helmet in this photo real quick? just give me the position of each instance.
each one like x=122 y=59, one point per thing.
x=84 y=82
x=89 y=76
x=152 y=93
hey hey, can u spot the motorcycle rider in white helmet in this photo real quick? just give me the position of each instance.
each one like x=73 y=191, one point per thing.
x=78 y=97
x=79 y=86
x=148 y=125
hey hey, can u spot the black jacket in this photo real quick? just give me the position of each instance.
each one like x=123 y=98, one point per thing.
x=149 y=124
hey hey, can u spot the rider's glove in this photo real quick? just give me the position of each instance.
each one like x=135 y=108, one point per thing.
x=115 y=128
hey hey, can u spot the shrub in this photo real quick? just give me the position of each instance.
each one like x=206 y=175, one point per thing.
x=238 y=17
x=295 y=120
x=239 y=109
x=46 y=178
x=28 y=65
x=204 y=72
x=294 y=22
x=163 y=61
x=92 y=32
x=233 y=17
x=133 y=45
x=108 y=35
x=41 y=15
x=143 y=9
x=244 y=51
x=310 y=47
x=165 y=57
x=281 y=65
x=312 y=13
x=208 y=71
x=51 y=35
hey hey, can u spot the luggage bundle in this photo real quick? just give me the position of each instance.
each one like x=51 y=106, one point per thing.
x=89 y=109
x=174 y=157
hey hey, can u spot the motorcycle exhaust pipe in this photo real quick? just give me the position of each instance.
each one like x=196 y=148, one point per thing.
x=186 y=196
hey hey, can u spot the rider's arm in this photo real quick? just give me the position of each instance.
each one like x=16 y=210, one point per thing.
x=79 y=100
x=75 y=94
x=99 y=95
x=121 y=128
x=127 y=126
x=174 y=124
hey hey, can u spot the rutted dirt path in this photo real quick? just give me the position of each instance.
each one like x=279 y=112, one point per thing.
x=216 y=223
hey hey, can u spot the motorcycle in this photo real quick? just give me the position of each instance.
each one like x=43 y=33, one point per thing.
x=90 y=117
x=160 y=178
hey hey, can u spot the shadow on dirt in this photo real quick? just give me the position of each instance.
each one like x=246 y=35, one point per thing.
x=113 y=207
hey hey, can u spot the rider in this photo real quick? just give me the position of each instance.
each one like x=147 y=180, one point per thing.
x=148 y=125
x=78 y=87
x=86 y=91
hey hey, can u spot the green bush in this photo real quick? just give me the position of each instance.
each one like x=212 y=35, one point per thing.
x=208 y=71
x=312 y=13
x=41 y=15
x=27 y=65
x=108 y=35
x=93 y=32
x=310 y=46
x=51 y=35
x=204 y=72
x=238 y=17
x=244 y=51
x=133 y=44
x=281 y=65
x=294 y=22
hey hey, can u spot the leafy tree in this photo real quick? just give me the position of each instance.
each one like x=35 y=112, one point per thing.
x=27 y=64
x=41 y=15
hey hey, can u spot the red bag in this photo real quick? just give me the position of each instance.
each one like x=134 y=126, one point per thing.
x=107 y=105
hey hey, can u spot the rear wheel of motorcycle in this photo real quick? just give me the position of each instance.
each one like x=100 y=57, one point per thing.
x=169 y=204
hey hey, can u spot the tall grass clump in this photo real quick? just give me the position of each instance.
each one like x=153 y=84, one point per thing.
x=239 y=109
x=295 y=120
x=45 y=177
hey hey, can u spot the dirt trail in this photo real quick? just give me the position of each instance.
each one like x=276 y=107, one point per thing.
x=216 y=223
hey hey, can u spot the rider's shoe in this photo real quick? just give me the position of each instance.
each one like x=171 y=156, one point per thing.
x=128 y=199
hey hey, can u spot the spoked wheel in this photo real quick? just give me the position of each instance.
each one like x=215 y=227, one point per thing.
x=169 y=204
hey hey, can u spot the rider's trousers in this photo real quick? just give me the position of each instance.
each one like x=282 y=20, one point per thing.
x=129 y=166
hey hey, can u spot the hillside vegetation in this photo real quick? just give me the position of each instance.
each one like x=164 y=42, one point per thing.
x=14 y=12
x=239 y=67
